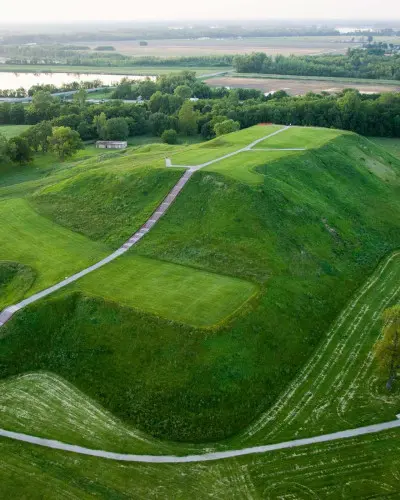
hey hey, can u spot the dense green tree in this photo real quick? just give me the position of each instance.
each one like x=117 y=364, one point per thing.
x=17 y=114
x=226 y=127
x=159 y=122
x=71 y=120
x=38 y=136
x=18 y=150
x=183 y=91
x=146 y=88
x=65 y=142
x=100 y=122
x=169 y=136
x=188 y=119
x=86 y=131
x=42 y=100
x=4 y=153
x=80 y=98
x=117 y=129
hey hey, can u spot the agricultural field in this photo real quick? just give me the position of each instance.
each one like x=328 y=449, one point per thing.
x=300 y=86
x=247 y=316
x=12 y=130
x=310 y=45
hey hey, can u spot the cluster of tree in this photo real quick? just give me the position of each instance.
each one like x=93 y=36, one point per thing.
x=381 y=48
x=370 y=115
x=172 y=85
x=104 y=48
x=357 y=63
x=169 y=107
x=113 y=58
x=41 y=137
x=49 y=87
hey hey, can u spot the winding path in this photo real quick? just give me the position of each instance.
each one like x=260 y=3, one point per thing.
x=8 y=312
x=206 y=457
x=211 y=456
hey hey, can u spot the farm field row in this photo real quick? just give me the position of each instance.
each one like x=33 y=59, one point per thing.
x=271 y=45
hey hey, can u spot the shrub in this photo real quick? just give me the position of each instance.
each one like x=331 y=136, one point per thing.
x=169 y=136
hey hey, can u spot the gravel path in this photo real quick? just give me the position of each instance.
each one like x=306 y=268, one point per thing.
x=8 y=312
x=206 y=457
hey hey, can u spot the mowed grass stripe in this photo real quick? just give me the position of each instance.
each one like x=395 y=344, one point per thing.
x=175 y=292
x=315 y=400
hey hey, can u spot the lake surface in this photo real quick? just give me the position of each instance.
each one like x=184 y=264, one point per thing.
x=9 y=80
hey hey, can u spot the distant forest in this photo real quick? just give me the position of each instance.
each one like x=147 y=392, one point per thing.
x=357 y=63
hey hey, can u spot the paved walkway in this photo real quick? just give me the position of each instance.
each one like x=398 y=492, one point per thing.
x=206 y=457
x=7 y=313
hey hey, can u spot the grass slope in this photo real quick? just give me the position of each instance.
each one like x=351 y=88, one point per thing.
x=183 y=294
x=53 y=252
x=391 y=145
x=307 y=235
x=106 y=205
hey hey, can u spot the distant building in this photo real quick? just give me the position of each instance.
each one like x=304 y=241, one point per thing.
x=111 y=144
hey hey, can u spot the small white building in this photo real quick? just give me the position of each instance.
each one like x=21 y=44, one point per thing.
x=111 y=144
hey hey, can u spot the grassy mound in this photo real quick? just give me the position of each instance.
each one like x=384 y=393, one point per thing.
x=105 y=205
x=15 y=281
x=307 y=232
x=167 y=379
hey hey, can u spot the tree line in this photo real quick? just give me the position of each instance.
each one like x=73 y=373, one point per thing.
x=357 y=63
x=49 y=87
x=180 y=104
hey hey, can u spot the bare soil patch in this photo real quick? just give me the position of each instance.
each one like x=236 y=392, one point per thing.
x=298 y=87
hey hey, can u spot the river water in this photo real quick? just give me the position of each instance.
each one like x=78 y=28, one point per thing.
x=9 y=80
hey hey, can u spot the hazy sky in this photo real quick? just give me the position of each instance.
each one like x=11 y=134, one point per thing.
x=46 y=10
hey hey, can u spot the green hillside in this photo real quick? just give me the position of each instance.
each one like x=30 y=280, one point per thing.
x=264 y=249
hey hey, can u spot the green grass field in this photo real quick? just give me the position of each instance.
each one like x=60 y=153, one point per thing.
x=10 y=131
x=361 y=468
x=301 y=137
x=222 y=145
x=124 y=352
x=183 y=294
x=245 y=166
x=391 y=145
x=53 y=252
